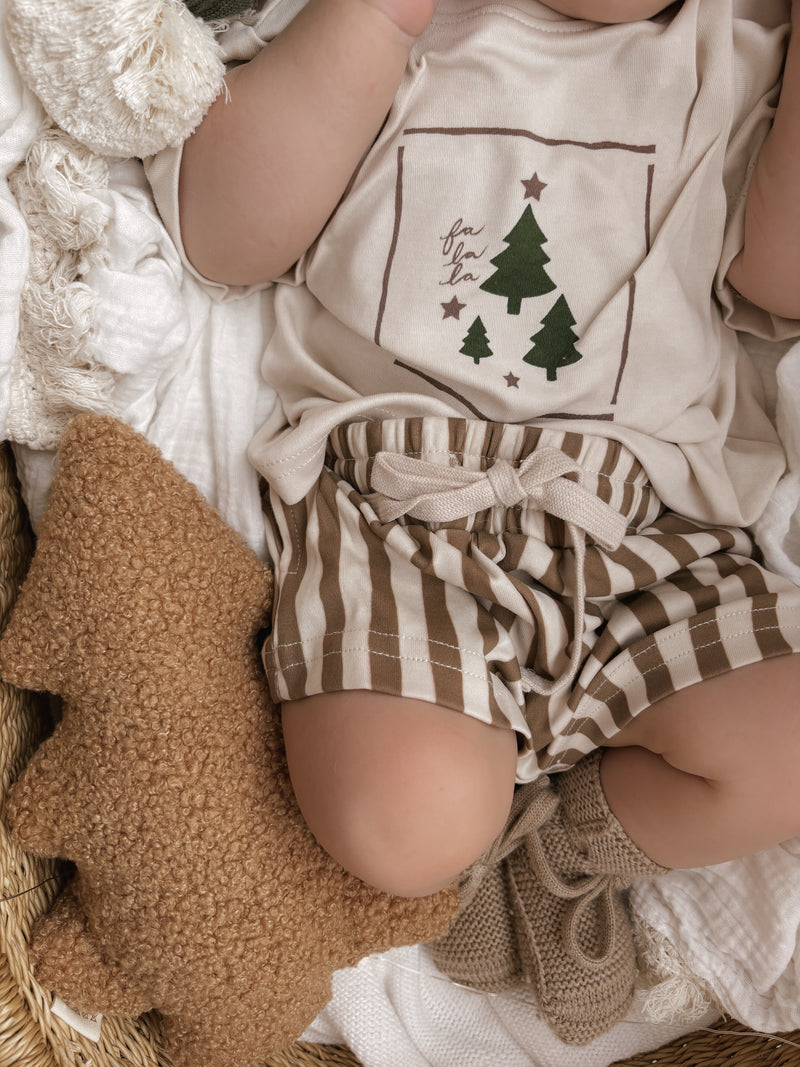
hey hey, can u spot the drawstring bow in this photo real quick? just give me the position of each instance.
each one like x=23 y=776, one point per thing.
x=435 y=493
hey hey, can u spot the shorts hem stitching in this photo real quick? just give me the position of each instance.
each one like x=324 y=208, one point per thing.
x=632 y=657
x=282 y=668
x=379 y=633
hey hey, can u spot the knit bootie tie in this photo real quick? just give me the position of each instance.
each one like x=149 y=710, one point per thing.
x=552 y=912
x=567 y=886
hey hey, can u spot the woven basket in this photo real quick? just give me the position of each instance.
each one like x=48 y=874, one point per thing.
x=31 y=1036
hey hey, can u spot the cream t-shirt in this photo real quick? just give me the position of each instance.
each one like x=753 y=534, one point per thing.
x=540 y=234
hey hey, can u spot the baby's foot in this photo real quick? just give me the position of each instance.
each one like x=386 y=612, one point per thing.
x=547 y=907
x=568 y=888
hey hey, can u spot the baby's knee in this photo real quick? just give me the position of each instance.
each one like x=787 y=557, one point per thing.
x=403 y=793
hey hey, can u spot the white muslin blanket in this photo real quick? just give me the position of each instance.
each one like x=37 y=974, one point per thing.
x=184 y=371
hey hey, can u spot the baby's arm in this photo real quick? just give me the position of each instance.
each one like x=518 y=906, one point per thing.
x=767 y=270
x=268 y=164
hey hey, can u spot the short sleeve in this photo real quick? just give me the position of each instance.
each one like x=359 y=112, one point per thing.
x=759 y=49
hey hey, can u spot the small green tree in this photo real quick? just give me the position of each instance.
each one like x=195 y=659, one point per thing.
x=520 y=267
x=476 y=343
x=553 y=345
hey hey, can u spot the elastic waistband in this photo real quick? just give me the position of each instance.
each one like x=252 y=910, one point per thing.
x=608 y=469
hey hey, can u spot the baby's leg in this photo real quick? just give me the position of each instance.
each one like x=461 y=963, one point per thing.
x=710 y=773
x=403 y=793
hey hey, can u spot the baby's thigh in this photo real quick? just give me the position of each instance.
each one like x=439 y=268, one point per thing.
x=405 y=794
x=740 y=727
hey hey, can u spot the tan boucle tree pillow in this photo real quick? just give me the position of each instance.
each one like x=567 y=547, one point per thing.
x=198 y=889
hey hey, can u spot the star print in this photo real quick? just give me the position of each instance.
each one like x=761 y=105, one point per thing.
x=453 y=309
x=533 y=187
x=512 y=381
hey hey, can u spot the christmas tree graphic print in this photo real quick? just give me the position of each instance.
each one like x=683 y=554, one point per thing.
x=553 y=345
x=484 y=294
x=476 y=343
x=520 y=274
x=520 y=268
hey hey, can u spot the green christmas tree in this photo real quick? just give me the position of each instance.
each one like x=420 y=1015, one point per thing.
x=520 y=267
x=553 y=345
x=476 y=343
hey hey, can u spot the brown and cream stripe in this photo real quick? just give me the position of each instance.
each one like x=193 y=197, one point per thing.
x=461 y=613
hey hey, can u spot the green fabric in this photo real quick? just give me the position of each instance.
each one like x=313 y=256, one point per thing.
x=218 y=9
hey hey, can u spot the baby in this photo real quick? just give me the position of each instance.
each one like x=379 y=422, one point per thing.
x=517 y=445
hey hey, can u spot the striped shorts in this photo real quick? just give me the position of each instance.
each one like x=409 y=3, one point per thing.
x=560 y=606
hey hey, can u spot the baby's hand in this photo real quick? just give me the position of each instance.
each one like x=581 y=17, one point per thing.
x=410 y=16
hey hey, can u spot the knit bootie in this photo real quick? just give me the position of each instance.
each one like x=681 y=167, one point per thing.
x=480 y=948
x=564 y=880
x=568 y=885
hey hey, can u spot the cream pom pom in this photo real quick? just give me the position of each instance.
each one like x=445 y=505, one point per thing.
x=123 y=77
